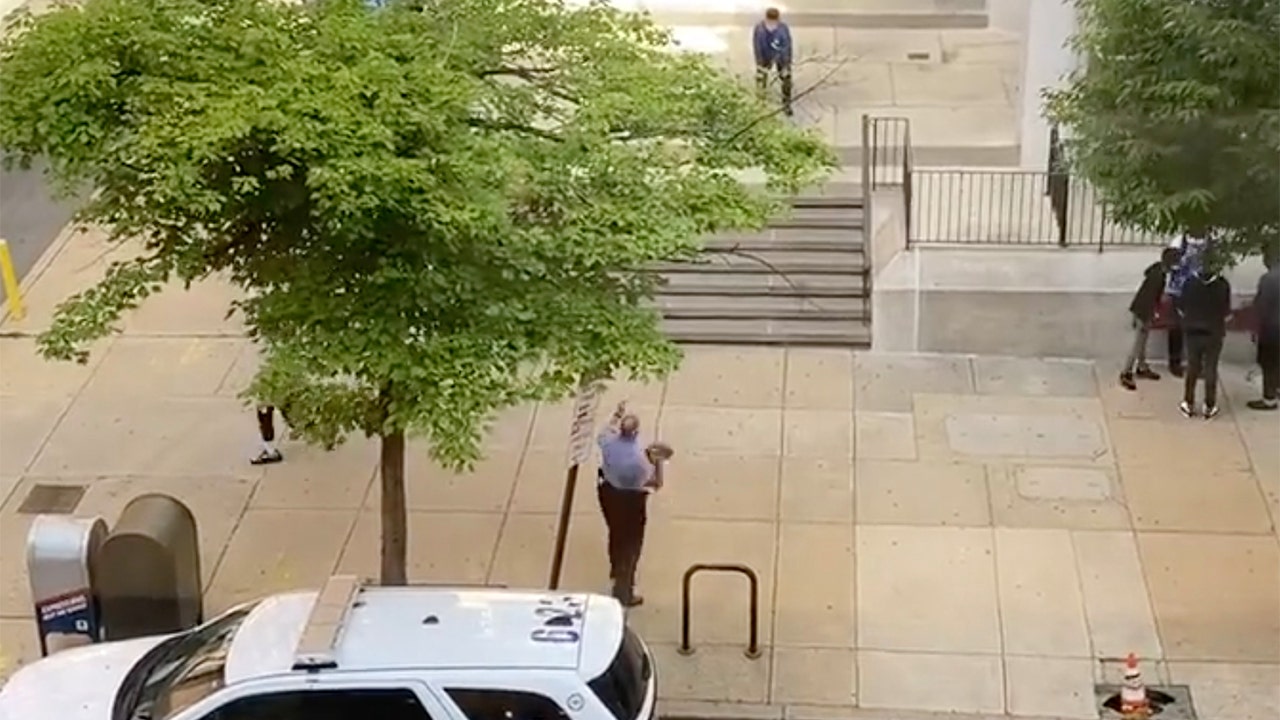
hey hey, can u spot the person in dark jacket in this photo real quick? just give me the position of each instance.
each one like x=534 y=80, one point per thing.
x=771 y=41
x=1191 y=246
x=1143 y=307
x=1266 y=309
x=1203 y=310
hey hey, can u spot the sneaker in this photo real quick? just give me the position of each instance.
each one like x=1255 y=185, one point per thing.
x=1147 y=373
x=1263 y=404
x=267 y=457
x=1187 y=409
x=1210 y=412
x=1126 y=381
x=1175 y=370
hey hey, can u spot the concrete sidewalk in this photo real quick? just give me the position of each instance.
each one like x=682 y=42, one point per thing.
x=932 y=533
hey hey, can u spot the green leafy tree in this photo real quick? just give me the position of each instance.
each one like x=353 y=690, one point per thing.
x=436 y=209
x=1175 y=114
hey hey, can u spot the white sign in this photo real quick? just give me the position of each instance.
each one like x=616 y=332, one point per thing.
x=583 y=425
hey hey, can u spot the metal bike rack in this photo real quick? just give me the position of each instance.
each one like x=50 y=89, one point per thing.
x=686 y=592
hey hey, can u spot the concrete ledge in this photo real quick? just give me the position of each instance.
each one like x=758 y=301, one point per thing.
x=709 y=710
x=1047 y=302
x=900 y=20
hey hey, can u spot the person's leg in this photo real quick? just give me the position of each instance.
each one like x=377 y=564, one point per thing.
x=629 y=512
x=762 y=80
x=1269 y=362
x=1136 y=350
x=1194 y=348
x=1209 y=369
x=1143 y=369
x=267 y=431
x=1175 y=341
x=605 y=494
x=784 y=75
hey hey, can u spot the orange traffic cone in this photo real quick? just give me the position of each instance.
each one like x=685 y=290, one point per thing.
x=1134 y=702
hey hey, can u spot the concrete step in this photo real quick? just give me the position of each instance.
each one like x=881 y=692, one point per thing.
x=766 y=243
x=818 y=332
x=860 y=14
x=786 y=263
x=762 y=283
x=776 y=307
x=830 y=238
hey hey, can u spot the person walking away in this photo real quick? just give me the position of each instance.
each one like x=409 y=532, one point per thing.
x=1266 y=309
x=626 y=477
x=1191 y=249
x=1205 y=306
x=772 y=42
x=1143 y=308
x=269 y=454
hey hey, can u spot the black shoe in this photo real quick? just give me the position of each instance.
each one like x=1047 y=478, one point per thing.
x=1187 y=409
x=1175 y=369
x=267 y=457
x=1126 y=381
x=1263 y=404
x=1210 y=412
x=633 y=601
x=1147 y=373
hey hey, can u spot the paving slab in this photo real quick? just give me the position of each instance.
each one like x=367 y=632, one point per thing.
x=200 y=309
x=19 y=644
x=816 y=490
x=1041 y=608
x=814 y=676
x=816 y=579
x=818 y=434
x=885 y=436
x=819 y=379
x=24 y=372
x=1231 y=691
x=165 y=367
x=26 y=423
x=888 y=383
x=713 y=673
x=1034 y=376
x=1057 y=496
x=1116 y=603
x=1216 y=597
x=1196 y=500
x=1191 y=446
x=437 y=551
x=724 y=431
x=541 y=479
x=927 y=589
x=720 y=487
x=728 y=378
x=887 y=45
x=892 y=492
x=966 y=84
x=260 y=559
x=1050 y=687
x=1039 y=430
x=932 y=682
x=315 y=479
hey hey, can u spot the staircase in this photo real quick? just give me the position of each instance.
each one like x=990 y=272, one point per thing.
x=803 y=280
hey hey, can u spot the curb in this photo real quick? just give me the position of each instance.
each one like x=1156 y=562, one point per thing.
x=43 y=263
x=714 y=710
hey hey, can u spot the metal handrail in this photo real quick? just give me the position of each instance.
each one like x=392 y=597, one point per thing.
x=686 y=596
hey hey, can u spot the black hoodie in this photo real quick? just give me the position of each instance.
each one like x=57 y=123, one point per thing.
x=1206 y=303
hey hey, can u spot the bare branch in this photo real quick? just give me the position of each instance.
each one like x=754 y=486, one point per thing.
x=821 y=82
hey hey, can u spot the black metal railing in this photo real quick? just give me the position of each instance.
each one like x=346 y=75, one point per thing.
x=686 y=597
x=1014 y=207
x=888 y=160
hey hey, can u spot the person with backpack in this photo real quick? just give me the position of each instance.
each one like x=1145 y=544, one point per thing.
x=1143 y=309
x=1191 y=247
x=1204 y=307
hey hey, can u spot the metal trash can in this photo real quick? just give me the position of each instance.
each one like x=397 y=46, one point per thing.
x=61 y=555
x=148 y=570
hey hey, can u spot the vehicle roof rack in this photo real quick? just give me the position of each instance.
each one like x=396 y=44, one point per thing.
x=317 y=648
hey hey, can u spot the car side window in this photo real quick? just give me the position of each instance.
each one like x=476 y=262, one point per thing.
x=348 y=704
x=478 y=704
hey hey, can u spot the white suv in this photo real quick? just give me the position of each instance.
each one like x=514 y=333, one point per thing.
x=353 y=651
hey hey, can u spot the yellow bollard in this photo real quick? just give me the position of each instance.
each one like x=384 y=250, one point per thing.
x=12 y=291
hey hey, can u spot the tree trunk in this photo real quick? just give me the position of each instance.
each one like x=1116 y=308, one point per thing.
x=395 y=530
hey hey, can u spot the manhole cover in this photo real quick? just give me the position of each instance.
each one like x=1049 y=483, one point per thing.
x=51 y=499
x=1177 y=707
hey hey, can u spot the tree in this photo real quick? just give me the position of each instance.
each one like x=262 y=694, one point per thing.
x=436 y=209
x=1175 y=115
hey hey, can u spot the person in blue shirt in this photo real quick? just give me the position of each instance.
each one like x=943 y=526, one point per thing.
x=772 y=42
x=629 y=471
x=1191 y=247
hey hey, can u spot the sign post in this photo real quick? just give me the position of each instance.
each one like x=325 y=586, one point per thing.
x=580 y=434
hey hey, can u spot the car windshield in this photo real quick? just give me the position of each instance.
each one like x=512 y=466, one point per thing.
x=185 y=670
x=622 y=687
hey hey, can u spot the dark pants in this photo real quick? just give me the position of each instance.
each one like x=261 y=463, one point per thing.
x=266 y=422
x=1203 y=350
x=1175 y=337
x=1269 y=362
x=625 y=514
x=784 y=77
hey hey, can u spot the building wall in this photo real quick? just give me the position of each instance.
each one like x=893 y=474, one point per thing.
x=1046 y=62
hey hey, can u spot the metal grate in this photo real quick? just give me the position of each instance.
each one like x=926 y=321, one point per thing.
x=51 y=499
x=1182 y=708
